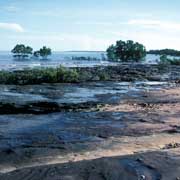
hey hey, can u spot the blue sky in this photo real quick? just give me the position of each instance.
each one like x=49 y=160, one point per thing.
x=89 y=25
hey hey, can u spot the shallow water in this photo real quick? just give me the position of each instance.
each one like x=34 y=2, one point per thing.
x=56 y=59
x=72 y=93
x=65 y=127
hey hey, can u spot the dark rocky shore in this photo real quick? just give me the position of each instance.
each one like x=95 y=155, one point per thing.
x=142 y=166
x=132 y=72
x=93 y=129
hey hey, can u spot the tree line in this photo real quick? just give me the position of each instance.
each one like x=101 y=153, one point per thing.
x=20 y=51
x=168 y=52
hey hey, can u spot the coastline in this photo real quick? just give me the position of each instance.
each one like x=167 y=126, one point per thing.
x=122 y=72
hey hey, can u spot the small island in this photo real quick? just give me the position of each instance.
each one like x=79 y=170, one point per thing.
x=21 y=52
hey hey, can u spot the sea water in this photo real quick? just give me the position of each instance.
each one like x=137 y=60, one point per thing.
x=7 y=62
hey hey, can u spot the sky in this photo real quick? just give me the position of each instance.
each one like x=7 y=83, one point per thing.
x=89 y=24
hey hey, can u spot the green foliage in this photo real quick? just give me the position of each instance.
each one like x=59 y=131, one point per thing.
x=52 y=75
x=175 y=62
x=21 y=51
x=103 y=76
x=36 y=54
x=111 y=53
x=85 y=76
x=163 y=65
x=67 y=75
x=167 y=61
x=164 y=60
x=45 y=52
x=40 y=75
x=126 y=51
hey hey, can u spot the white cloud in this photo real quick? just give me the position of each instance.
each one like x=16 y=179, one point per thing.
x=11 y=26
x=64 y=41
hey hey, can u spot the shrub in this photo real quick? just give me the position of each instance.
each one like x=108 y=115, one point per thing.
x=39 y=75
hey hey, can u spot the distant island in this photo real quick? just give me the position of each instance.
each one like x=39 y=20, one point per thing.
x=85 y=51
x=168 y=52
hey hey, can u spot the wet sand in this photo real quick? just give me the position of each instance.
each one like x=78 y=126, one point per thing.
x=135 y=138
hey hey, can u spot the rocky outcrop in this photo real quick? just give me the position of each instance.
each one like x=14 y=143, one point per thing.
x=130 y=72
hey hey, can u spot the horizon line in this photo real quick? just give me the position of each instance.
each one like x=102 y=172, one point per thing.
x=65 y=51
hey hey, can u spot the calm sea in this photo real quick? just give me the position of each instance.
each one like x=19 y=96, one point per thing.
x=59 y=58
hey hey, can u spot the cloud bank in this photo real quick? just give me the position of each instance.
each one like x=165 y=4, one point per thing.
x=11 y=27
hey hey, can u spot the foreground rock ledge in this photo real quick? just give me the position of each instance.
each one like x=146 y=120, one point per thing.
x=155 y=165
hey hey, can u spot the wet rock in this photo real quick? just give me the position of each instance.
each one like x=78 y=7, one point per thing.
x=142 y=177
